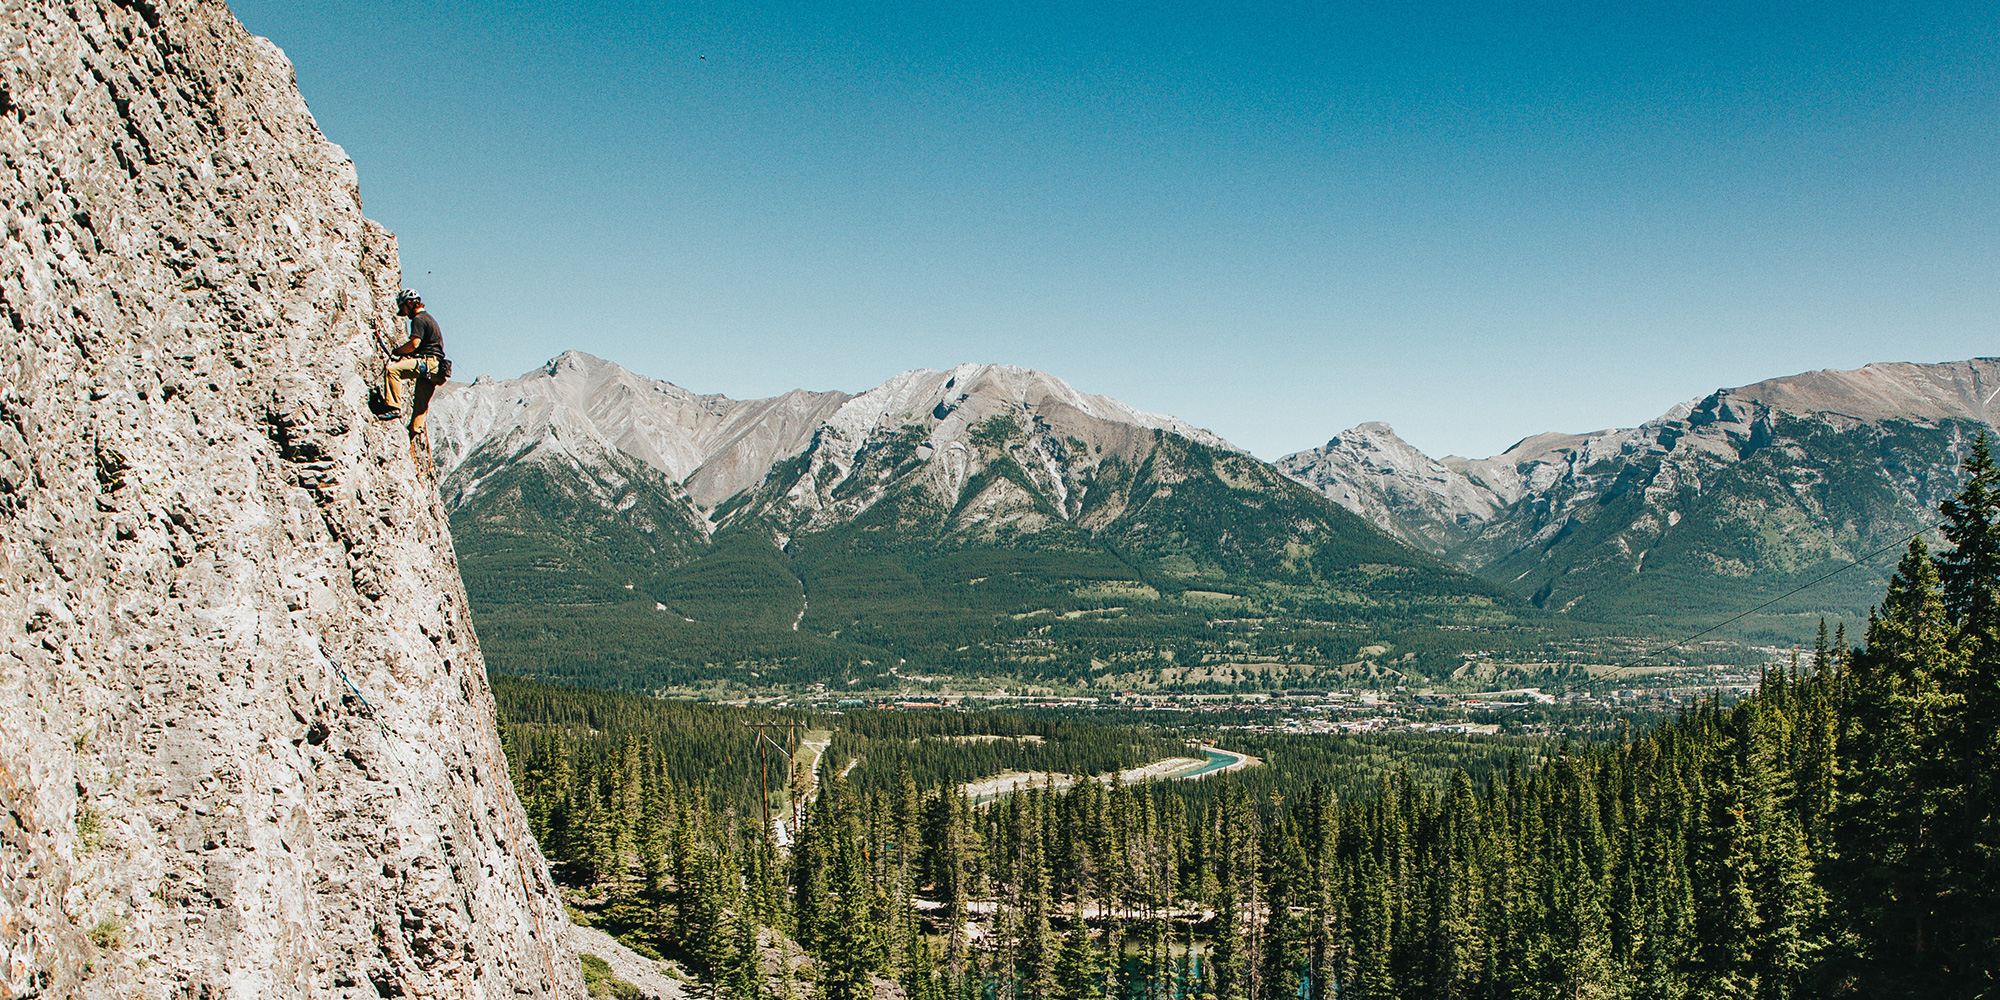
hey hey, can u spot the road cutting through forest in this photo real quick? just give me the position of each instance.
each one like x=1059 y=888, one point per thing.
x=1215 y=761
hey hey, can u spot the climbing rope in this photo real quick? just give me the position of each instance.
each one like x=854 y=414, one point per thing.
x=377 y=716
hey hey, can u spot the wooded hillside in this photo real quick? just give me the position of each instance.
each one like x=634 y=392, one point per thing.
x=1834 y=835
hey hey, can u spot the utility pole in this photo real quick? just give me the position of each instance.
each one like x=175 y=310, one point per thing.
x=764 y=743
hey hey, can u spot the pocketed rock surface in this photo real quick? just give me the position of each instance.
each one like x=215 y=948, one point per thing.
x=200 y=530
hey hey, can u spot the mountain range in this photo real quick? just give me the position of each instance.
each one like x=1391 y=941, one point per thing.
x=1719 y=504
x=995 y=521
x=981 y=520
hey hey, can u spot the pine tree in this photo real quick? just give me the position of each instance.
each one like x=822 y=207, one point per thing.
x=812 y=863
x=1036 y=964
x=1230 y=960
x=1886 y=873
x=1578 y=921
x=706 y=935
x=745 y=978
x=1455 y=947
x=850 y=951
x=903 y=853
x=1817 y=765
x=1322 y=848
x=652 y=838
x=950 y=861
x=1078 y=970
x=1969 y=571
x=920 y=973
x=1373 y=908
x=597 y=830
x=1966 y=769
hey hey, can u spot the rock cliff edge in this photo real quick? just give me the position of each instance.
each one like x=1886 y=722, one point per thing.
x=201 y=533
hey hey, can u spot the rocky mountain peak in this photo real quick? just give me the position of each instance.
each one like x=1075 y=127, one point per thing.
x=1739 y=485
x=583 y=374
x=581 y=447
x=576 y=361
x=951 y=403
x=1007 y=448
x=246 y=743
x=588 y=415
x=1395 y=486
x=580 y=411
x=1957 y=390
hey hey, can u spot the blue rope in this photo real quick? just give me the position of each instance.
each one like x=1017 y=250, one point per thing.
x=356 y=690
x=372 y=713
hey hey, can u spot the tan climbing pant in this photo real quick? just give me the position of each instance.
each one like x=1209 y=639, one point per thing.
x=411 y=370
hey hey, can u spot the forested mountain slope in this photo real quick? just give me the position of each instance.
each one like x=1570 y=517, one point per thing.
x=1830 y=836
x=1712 y=507
x=984 y=520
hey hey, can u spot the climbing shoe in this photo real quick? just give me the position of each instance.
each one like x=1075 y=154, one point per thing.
x=380 y=407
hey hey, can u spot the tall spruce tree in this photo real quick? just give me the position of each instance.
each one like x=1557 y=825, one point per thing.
x=1888 y=875
x=744 y=978
x=1968 y=759
x=850 y=942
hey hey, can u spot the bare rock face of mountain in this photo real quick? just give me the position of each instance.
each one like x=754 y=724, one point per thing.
x=567 y=482
x=1743 y=489
x=1930 y=393
x=578 y=409
x=210 y=556
x=1533 y=463
x=638 y=445
x=1374 y=473
x=944 y=432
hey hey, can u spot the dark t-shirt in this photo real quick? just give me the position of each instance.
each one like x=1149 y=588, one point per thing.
x=430 y=341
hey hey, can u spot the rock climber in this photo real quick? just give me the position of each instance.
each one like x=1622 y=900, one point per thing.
x=419 y=360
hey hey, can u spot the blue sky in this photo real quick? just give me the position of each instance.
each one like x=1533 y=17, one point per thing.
x=1473 y=221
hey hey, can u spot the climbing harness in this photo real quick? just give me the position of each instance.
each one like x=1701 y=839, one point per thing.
x=433 y=370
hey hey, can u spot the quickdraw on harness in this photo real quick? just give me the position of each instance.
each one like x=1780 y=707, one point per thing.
x=435 y=371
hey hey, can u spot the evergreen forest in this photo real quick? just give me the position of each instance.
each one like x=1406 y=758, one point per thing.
x=1833 y=835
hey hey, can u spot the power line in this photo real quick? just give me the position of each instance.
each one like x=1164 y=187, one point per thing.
x=1809 y=584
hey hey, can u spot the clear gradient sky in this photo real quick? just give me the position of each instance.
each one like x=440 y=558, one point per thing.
x=1475 y=221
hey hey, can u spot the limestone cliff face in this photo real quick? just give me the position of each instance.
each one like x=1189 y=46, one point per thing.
x=200 y=532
